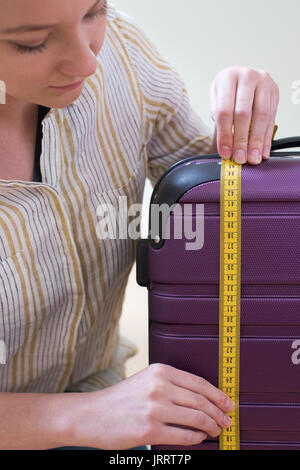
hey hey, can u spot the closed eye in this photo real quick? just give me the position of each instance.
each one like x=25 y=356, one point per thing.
x=41 y=47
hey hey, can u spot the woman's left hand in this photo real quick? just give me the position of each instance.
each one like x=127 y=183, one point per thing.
x=238 y=96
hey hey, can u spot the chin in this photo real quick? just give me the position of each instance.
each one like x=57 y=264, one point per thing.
x=65 y=101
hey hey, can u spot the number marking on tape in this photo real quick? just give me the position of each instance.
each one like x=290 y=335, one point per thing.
x=229 y=295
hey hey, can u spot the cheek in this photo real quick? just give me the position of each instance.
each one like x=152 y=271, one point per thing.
x=23 y=74
x=9 y=69
x=34 y=71
x=98 y=38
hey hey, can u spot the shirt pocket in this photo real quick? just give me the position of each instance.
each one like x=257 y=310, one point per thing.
x=22 y=302
x=118 y=225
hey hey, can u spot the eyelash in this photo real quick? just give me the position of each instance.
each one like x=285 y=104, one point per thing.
x=43 y=46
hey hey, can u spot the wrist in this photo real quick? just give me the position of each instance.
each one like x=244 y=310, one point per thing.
x=68 y=418
x=76 y=418
x=64 y=418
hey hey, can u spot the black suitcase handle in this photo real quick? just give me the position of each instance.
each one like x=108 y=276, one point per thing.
x=286 y=143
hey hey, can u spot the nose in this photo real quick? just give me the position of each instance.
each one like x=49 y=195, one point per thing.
x=78 y=59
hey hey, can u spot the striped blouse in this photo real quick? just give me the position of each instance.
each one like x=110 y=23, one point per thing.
x=61 y=286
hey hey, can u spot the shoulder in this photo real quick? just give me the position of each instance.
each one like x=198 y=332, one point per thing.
x=132 y=34
x=157 y=77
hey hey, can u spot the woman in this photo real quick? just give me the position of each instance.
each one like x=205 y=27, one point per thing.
x=126 y=116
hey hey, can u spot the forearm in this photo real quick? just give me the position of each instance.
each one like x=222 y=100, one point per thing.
x=37 y=420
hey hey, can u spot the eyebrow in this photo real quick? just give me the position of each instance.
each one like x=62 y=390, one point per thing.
x=34 y=27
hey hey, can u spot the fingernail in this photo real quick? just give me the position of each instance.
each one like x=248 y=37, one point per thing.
x=226 y=152
x=227 y=421
x=240 y=156
x=229 y=404
x=255 y=156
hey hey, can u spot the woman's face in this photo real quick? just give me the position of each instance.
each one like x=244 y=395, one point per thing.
x=32 y=62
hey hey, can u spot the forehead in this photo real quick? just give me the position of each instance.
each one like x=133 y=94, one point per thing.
x=15 y=12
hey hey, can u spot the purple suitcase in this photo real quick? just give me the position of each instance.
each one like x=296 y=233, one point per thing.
x=183 y=289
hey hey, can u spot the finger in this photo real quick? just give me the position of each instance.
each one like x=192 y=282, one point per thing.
x=172 y=435
x=242 y=119
x=213 y=104
x=199 y=385
x=269 y=134
x=197 y=419
x=261 y=118
x=213 y=101
x=224 y=116
x=186 y=398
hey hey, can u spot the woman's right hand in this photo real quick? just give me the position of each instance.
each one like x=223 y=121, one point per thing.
x=149 y=408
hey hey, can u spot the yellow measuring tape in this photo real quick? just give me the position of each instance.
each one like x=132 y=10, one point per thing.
x=229 y=294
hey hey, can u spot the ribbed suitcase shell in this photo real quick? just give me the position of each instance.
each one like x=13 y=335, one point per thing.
x=184 y=297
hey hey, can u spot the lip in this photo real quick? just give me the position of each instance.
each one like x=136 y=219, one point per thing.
x=69 y=87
